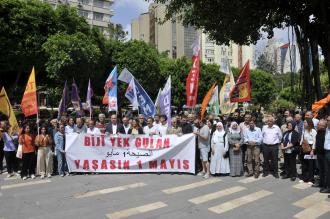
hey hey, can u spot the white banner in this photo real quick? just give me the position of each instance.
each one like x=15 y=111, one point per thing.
x=128 y=153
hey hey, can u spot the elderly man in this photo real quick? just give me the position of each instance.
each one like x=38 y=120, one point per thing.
x=142 y=121
x=309 y=115
x=80 y=126
x=101 y=123
x=175 y=129
x=272 y=136
x=300 y=124
x=126 y=124
x=114 y=127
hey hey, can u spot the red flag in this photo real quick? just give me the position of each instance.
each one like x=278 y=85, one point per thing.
x=241 y=91
x=29 y=103
x=192 y=81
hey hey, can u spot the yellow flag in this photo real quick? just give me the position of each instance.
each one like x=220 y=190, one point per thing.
x=226 y=107
x=6 y=108
x=29 y=103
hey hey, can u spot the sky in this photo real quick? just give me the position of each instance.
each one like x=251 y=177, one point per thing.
x=126 y=10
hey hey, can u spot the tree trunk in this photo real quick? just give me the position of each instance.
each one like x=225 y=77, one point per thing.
x=316 y=68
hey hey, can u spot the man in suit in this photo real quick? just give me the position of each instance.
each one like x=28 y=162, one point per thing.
x=114 y=127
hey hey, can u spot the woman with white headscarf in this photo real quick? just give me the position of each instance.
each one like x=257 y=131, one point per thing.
x=235 y=140
x=219 y=147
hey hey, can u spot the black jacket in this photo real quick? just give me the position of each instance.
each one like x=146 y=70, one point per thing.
x=120 y=128
x=140 y=130
x=295 y=139
x=319 y=143
x=187 y=128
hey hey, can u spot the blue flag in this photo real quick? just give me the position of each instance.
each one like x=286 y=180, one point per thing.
x=64 y=101
x=146 y=105
x=111 y=85
x=165 y=101
x=75 y=99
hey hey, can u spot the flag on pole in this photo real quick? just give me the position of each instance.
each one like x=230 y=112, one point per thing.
x=89 y=95
x=131 y=95
x=157 y=104
x=75 y=99
x=214 y=101
x=165 y=101
x=111 y=90
x=65 y=100
x=29 y=104
x=193 y=76
x=146 y=106
x=7 y=109
x=206 y=100
x=125 y=76
x=226 y=107
x=241 y=91
x=284 y=50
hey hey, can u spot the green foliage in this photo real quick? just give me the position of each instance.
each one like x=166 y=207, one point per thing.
x=289 y=95
x=69 y=55
x=281 y=104
x=263 y=90
x=116 y=32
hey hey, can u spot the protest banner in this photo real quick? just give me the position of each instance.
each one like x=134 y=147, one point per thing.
x=130 y=153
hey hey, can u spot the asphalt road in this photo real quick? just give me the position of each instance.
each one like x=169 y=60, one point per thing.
x=159 y=196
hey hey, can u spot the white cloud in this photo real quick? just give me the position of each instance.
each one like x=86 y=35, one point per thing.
x=140 y=5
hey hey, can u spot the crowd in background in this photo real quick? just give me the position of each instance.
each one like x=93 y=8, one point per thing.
x=238 y=144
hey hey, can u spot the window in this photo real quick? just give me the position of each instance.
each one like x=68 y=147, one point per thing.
x=98 y=3
x=83 y=13
x=98 y=16
x=210 y=60
x=84 y=2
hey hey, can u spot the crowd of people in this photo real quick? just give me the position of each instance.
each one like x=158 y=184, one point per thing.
x=238 y=144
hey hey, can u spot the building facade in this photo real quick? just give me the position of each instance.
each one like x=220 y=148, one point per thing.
x=176 y=40
x=96 y=12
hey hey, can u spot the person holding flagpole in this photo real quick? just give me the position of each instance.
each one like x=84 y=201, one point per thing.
x=28 y=153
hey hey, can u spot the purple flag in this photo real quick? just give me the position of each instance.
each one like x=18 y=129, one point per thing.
x=75 y=99
x=64 y=101
x=89 y=96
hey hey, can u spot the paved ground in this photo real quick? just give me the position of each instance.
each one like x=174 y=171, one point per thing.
x=159 y=196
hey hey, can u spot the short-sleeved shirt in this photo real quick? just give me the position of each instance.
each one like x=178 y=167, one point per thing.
x=204 y=131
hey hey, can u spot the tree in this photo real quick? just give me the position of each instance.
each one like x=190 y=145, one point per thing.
x=69 y=55
x=263 y=89
x=116 y=32
x=264 y=64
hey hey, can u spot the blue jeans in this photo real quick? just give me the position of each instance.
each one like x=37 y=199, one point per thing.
x=62 y=167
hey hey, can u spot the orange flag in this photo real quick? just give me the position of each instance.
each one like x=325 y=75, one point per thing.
x=206 y=100
x=29 y=103
x=320 y=104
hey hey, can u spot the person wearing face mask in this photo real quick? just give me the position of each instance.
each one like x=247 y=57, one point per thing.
x=289 y=146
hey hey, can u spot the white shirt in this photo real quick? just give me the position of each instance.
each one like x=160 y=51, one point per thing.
x=114 y=129
x=162 y=130
x=94 y=131
x=271 y=135
x=310 y=137
x=69 y=129
x=243 y=127
x=127 y=128
x=148 y=130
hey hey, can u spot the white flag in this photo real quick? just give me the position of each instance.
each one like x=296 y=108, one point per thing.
x=131 y=94
x=125 y=76
x=225 y=66
x=214 y=102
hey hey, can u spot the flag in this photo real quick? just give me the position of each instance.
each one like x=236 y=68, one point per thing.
x=214 y=101
x=111 y=90
x=206 y=100
x=89 y=97
x=131 y=95
x=65 y=100
x=165 y=101
x=7 y=109
x=146 y=106
x=193 y=76
x=226 y=107
x=29 y=103
x=241 y=91
x=125 y=76
x=157 y=101
x=283 y=49
x=320 y=104
x=75 y=99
